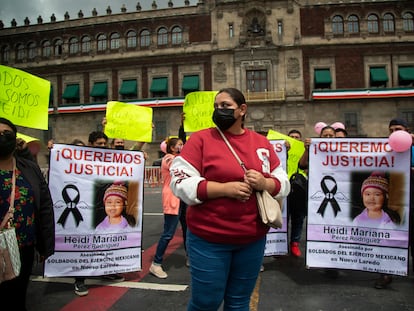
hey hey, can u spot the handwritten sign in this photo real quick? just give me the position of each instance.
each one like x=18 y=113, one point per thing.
x=128 y=121
x=297 y=148
x=24 y=98
x=198 y=108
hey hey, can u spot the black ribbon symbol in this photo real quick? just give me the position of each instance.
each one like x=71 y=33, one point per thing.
x=329 y=196
x=71 y=206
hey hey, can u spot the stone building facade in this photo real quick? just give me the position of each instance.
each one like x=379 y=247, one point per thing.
x=297 y=61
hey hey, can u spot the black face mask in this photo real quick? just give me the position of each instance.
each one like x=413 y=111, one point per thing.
x=7 y=143
x=224 y=118
x=120 y=147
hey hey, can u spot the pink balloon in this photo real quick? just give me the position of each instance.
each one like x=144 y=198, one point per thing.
x=319 y=126
x=400 y=141
x=163 y=146
x=338 y=125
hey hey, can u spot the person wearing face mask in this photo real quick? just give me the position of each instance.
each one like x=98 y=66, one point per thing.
x=118 y=144
x=226 y=236
x=170 y=205
x=33 y=212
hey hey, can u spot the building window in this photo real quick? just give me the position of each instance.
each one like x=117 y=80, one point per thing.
x=322 y=78
x=279 y=28
x=378 y=77
x=256 y=80
x=353 y=24
x=191 y=83
x=408 y=22
x=101 y=42
x=31 y=50
x=58 y=47
x=176 y=35
x=131 y=39
x=145 y=38
x=231 y=30
x=128 y=89
x=71 y=94
x=388 y=22
x=86 y=44
x=162 y=36
x=114 y=41
x=406 y=75
x=337 y=25
x=373 y=23
x=159 y=87
x=5 y=51
x=21 y=52
x=351 y=123
x=99 y=92
x=46 y=49
x=73 y=45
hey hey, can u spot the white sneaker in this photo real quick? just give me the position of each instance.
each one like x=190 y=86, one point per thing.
x=157 y=271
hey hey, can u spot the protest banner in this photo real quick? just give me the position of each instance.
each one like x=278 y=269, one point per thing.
x=198 y=108
x=276 y=239
x=97 y=199
x=128 y=121
x=24 y=98
x=358 y=212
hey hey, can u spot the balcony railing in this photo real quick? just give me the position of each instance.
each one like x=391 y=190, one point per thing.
x=265 y=96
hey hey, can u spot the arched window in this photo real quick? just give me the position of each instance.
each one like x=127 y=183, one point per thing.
x=353 y=24
x=176 y=35
x=145 y=38
x=5 y=54
x=58 y=47
x=131 y=39
x=86 y=44
x=388 y=22
x=31 y=50
x=73 y=45
x=162 y=36
x=101 y=42
x=46 y=49
x=114 y=41
x=21 y=52
x=337 y=25
x=408 y=21
x=373 y=23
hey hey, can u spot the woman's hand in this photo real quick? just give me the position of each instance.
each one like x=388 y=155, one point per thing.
x=239 y=190
x=256 y=180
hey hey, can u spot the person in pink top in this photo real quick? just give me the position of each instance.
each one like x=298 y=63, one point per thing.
x=170 y=205
x=226 y=237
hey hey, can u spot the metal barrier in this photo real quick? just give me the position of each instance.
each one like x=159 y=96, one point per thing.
x=152 y=177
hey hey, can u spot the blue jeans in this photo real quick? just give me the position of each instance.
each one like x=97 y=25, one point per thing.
x=222 y=272
x=297 y=215
x=170 y=226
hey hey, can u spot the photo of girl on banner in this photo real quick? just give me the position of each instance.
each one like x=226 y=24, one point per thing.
x=375 y=209
x=113 y=211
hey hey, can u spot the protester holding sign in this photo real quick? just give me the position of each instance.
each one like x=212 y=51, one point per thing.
x=33 y=213
x=226 y=237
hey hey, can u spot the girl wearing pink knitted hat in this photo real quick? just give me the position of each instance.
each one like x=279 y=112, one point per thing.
x=374 y=192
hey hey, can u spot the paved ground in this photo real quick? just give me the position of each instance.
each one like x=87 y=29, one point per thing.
x=285 y=284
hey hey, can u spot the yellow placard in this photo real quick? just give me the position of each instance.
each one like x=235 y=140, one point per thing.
x=297 y=148
x=24 y=98
x=26 y=138
x=128 y=121
x=198 y=108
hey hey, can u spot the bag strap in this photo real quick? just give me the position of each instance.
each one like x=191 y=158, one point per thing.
x=232 y=150
x=8 y=217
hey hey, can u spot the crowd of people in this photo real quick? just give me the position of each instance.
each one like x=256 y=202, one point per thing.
x=208 y=192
